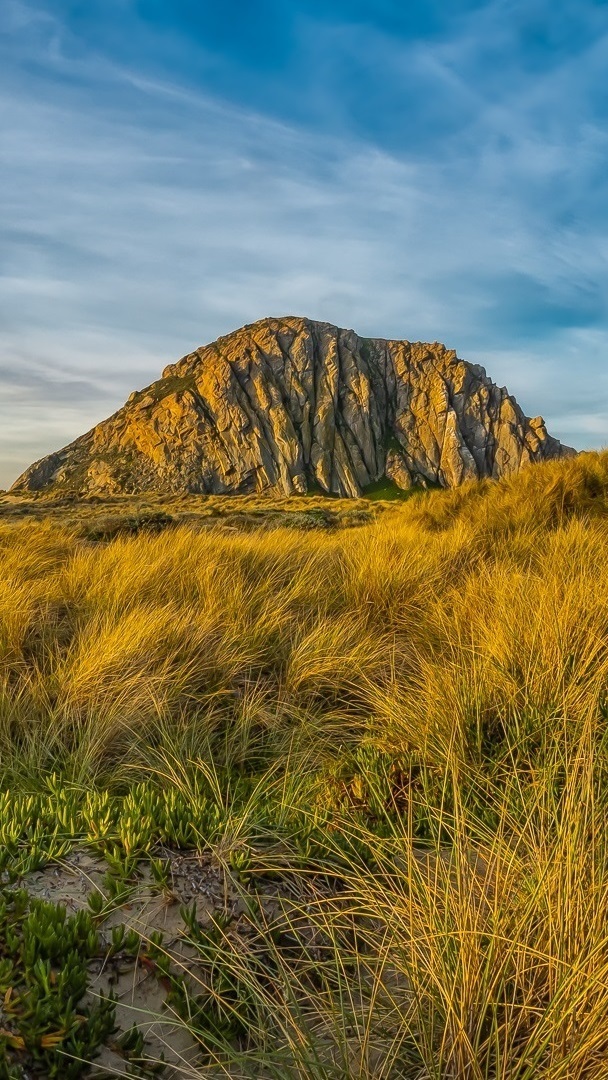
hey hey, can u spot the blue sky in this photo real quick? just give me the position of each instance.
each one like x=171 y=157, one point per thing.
x=172 y=169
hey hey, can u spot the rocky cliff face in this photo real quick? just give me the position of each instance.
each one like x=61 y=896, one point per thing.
x=289 y=405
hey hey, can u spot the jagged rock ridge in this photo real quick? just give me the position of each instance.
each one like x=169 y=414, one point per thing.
x=290 y=404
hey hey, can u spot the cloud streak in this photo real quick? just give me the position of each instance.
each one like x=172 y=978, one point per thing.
x=142 y=216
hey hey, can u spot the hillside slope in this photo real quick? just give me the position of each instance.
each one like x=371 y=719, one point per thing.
x=289 y=405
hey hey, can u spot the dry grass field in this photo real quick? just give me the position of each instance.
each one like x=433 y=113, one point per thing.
x=391 y=717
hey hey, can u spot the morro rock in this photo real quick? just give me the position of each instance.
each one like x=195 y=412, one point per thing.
x=288 y=405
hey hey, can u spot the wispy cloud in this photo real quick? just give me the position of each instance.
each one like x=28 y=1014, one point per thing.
x=142 y=216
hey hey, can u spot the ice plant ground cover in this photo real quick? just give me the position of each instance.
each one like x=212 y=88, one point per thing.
x=307 y=789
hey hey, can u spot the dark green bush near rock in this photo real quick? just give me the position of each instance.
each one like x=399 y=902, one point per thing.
x=125 y=525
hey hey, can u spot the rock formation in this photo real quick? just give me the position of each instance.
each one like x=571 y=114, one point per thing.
x=289 y=405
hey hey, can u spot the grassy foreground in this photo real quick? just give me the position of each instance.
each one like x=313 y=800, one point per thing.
x=388 y=732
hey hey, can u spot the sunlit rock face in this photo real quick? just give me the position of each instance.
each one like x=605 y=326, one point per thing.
x=289 y=405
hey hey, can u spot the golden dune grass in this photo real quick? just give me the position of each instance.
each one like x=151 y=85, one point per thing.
x=452 y=619
x=464 y=635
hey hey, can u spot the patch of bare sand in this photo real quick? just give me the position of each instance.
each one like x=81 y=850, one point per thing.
x=150 y=908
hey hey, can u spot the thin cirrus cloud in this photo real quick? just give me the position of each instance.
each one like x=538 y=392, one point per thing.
x=406 y=190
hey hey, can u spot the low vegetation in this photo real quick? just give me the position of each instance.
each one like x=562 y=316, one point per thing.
x=382 y=726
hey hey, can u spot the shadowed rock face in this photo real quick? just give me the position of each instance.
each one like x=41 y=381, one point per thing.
x=290 y=404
